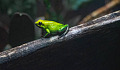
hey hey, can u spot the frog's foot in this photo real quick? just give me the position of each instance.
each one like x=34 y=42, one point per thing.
x=66 y=29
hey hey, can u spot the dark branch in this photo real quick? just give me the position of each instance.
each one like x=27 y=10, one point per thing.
x=74 y=32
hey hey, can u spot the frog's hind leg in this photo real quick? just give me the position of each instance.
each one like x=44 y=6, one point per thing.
x=66 y=29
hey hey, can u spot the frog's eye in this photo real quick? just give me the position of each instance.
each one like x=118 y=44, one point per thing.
x=40 y=23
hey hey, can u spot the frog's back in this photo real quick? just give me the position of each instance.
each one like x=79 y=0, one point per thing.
x=46 y=22
x=54 y=28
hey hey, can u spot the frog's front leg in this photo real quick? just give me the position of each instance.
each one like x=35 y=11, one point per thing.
x=48 y=32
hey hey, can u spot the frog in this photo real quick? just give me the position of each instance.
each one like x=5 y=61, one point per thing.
x=52 y=27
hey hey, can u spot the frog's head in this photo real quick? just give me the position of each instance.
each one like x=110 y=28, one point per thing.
x=39 y=23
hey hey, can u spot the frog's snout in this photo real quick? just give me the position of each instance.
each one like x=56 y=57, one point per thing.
x=35 y=23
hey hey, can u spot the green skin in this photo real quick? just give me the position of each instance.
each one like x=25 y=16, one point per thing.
x=51 y=27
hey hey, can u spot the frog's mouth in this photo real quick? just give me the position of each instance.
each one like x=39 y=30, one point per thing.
x=38 y=26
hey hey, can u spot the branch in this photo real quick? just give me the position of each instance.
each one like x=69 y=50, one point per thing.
x=74 y=32
x=101 y=10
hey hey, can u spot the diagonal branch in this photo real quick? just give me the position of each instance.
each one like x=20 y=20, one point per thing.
x=74 y=32
x=101 y=10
